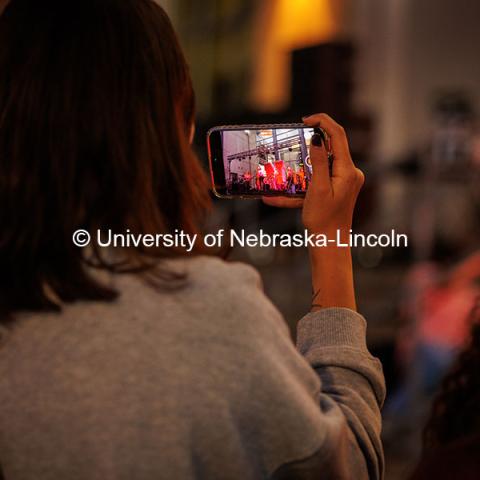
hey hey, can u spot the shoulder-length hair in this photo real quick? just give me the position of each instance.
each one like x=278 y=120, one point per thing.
x=96 y=110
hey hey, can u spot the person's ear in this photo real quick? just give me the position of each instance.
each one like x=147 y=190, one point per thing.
x=192 y=133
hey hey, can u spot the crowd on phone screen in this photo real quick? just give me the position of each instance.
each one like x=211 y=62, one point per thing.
x=271 y=177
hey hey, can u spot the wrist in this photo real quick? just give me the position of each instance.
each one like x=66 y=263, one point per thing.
x=334 y=242
x=330 y=257
x=332 y=277
x=331 y=231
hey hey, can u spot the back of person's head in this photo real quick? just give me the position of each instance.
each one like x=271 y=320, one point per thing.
x=96 y=112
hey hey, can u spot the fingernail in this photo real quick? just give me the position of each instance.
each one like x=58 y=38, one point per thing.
x=317 y=140
x=320 y=132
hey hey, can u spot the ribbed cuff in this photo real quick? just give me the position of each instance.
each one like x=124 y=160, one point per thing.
x=332 y=327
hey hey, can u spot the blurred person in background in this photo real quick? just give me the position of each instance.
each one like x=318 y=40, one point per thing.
x=152 y=363
x=452 y=434
x=440 y=300
x=441 y=287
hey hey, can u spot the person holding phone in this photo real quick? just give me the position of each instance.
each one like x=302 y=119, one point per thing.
x=151 y=363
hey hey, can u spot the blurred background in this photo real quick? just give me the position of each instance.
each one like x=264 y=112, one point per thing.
x=403 y=77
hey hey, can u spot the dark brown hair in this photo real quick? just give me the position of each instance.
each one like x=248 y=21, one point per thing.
x=96 y=109
x=455 y=412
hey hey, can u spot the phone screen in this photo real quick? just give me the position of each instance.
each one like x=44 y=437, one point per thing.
x=262 y=160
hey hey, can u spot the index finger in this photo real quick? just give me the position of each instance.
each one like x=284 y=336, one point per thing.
x=338 y=139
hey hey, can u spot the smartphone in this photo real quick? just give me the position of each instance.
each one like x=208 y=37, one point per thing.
x=252 y=161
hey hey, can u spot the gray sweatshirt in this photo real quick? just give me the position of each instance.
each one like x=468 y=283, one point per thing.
x=202 y=382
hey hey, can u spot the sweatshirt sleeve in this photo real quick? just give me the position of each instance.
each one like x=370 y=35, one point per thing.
x=324 y=420
x=333 y=341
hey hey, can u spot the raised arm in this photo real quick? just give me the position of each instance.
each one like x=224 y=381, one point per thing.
x=332 y=338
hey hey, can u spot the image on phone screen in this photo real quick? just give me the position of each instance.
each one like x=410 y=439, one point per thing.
x=256 y=162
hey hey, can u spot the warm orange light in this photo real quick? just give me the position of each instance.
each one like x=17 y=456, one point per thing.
x=298 y=23
x=285 y=25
